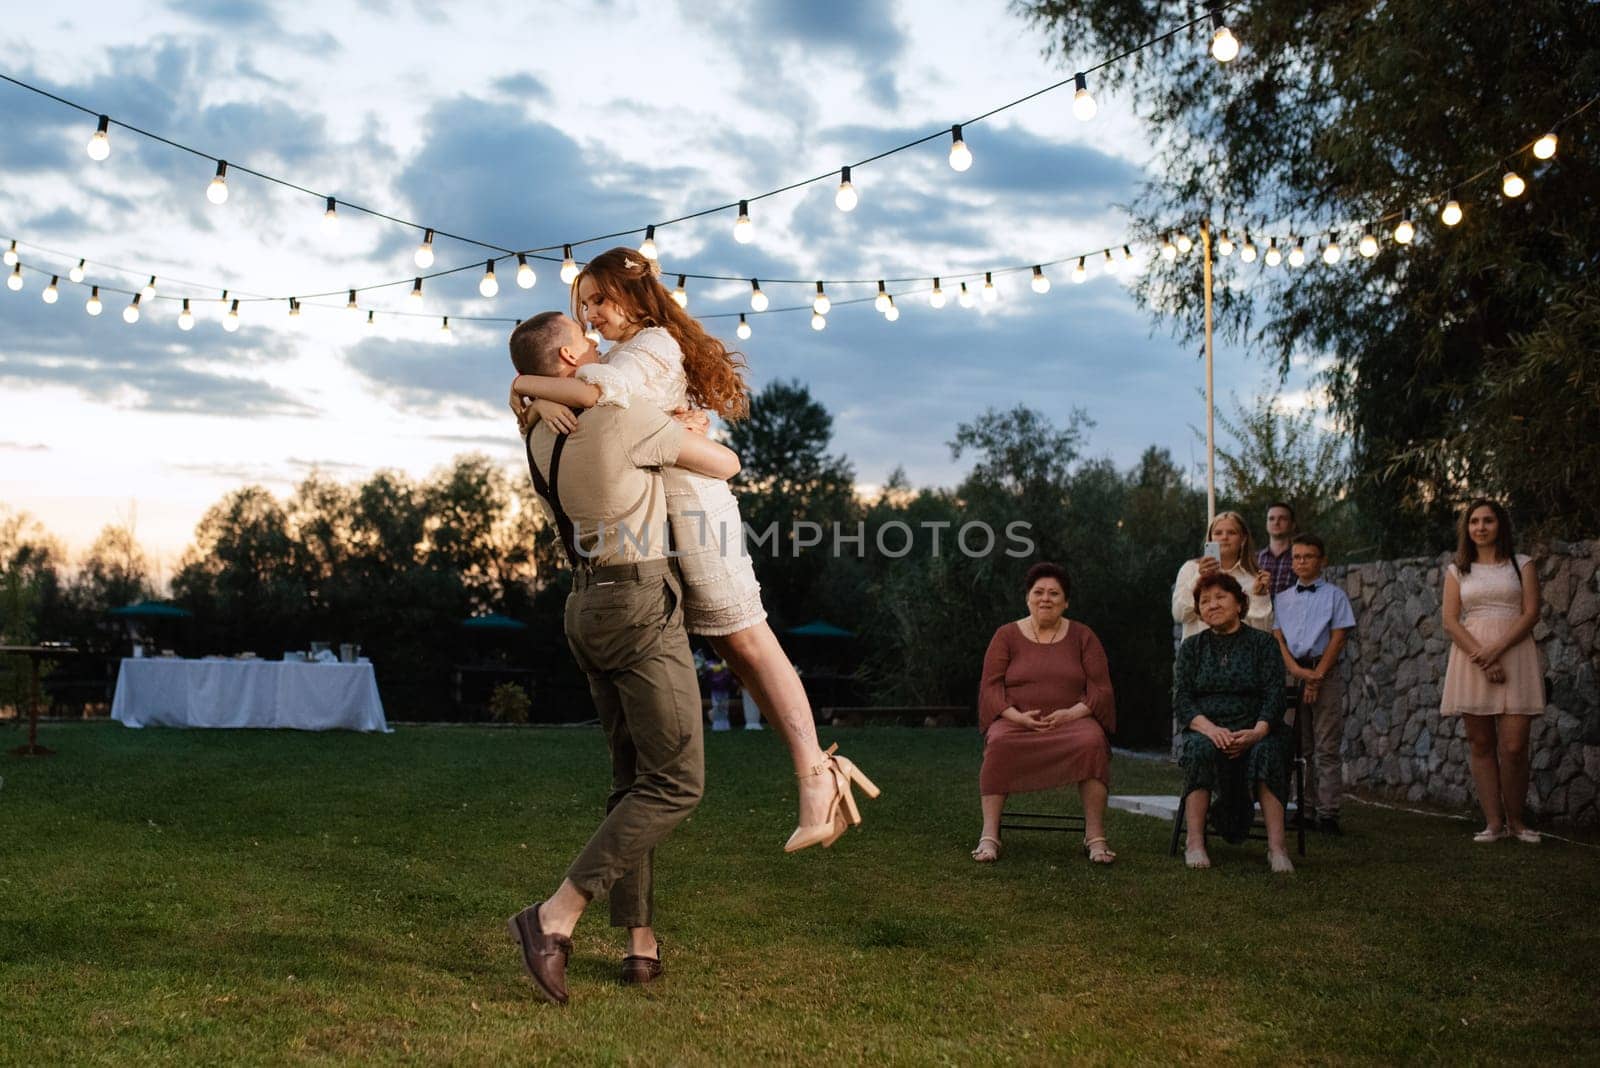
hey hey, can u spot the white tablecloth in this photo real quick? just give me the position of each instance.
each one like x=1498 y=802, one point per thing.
x=166 y=692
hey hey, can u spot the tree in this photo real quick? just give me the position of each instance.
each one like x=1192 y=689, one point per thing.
x=1351 y=115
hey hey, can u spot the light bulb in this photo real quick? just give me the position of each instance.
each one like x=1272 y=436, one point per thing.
x=1367 y=246
x=1333 y=252
x=371 y=319
x=1297 y=255
x=820 y=303
x=525 y=276
x=965 y=297
x=1404 y=232
x=294 y=311
x=936 y=298
x=186 y=317
x=743 y=329
x=416 y=293
x=1512 y=184
x=990 y=293
x=149 y=290
x=881 y=301
x=1080 y=273
x=130 y=314
x=351 y=305
x=758 y=299
x=681 y=294
x=1039 y=282
x=93 y=305
x=488 y=285
x=330 y=216
x=960 y=154
x=1184 y=243
x=744 y=231
x=1545 y=147
x=1083 y=105
x=51 y=294
x=1224 y=244
x=893 y=313
x=818 y=321
x=569 y=268
x=14 y=280
x=423 y=257
x=1274 y=257
x=444 y=326
x=1247 y=251
x=230 y=322
x=11 y=255
x=1224 y=45
x=1169 y=251
x=845 y=199
x=1127 y=256
x=100 y=143
x=76 y=274
x=648 y=249
x=217 y=191
x=1111 y=263
x=1451 y=213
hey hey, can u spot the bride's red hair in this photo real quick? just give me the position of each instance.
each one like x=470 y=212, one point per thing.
x=624 y=276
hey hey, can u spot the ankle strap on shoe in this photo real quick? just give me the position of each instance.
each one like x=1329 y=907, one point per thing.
x=821 y=767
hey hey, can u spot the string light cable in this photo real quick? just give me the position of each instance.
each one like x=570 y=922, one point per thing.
x=217 y=192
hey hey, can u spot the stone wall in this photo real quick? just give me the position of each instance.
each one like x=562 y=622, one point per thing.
x=1396 y=743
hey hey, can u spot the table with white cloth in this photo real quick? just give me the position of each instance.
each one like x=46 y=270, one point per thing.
x=168 y=692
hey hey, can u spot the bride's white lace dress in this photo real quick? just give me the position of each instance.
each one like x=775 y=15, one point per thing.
x=720 y=592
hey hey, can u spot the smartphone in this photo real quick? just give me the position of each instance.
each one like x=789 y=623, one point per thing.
x=1214 y=550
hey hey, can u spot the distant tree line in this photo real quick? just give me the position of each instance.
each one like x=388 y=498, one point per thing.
x=397 y=564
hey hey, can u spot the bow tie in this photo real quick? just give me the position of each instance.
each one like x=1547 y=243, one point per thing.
x=1304 y=589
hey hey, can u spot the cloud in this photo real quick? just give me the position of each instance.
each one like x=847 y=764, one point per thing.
x=436 y=380
x=17 y=446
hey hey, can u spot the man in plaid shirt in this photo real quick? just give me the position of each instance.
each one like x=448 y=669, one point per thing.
x=1275 y=559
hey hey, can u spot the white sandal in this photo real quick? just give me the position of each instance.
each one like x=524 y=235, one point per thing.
x=1196 y=859
x=1487 y=835
x=986 y=860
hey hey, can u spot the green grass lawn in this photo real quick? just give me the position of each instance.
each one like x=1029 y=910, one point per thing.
x=235 y=896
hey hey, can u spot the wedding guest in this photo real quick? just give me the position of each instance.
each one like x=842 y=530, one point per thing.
x=1493 y=679
x=1313 y=618
x=1237 y=558
x=1045 y=708
x=1227 y=694
x=1277 y=558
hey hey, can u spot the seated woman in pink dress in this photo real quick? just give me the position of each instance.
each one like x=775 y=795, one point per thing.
x=1046 y=709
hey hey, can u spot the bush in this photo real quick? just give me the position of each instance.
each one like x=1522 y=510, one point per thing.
x=509 y=703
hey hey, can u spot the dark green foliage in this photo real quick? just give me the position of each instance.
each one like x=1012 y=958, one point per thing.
x=1462 y=364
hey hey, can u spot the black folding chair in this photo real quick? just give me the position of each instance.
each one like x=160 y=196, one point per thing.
x=1041 y=821
x=1294 y=698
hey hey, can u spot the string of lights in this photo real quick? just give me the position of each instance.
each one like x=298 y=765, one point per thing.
x=1172 y=243
x=1224 y=47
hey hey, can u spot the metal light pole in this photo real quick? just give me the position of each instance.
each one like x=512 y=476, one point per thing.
x=1211 y=408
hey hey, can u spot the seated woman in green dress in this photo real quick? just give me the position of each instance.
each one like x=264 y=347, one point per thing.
x=1227 y=693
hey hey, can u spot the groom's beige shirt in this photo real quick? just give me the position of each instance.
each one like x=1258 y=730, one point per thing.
x=609 y=481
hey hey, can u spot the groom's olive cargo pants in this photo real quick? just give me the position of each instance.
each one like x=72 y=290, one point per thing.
x=625 y=626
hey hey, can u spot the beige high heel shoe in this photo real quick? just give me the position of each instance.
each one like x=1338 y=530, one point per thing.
x=831 y=829
x=842 y=810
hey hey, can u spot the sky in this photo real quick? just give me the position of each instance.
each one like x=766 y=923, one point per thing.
x=526 y=125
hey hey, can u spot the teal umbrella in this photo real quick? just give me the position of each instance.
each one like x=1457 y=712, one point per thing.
x=151 y=610
x=493 y=621
x=820 y=628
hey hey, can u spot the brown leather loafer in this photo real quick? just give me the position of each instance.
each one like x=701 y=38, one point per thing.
x=641 y=969
x=544 y=956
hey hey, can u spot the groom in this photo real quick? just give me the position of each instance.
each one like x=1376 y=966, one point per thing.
x=602 y=486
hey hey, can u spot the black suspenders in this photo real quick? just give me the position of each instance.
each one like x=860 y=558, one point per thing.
x=547 y=490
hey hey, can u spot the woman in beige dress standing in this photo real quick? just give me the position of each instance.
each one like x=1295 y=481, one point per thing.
x=1491 y=604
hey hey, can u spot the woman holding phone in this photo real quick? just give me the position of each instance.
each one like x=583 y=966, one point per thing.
x=1229 y=550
